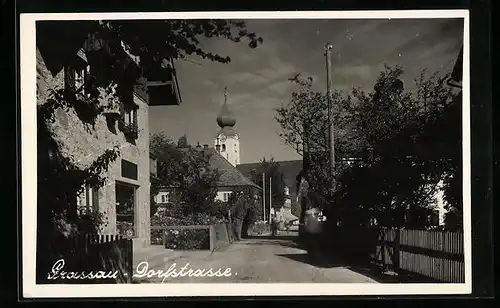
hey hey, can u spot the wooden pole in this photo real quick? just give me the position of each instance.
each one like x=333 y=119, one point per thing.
x=331 y=140
x=270 y=199
x=264 y=196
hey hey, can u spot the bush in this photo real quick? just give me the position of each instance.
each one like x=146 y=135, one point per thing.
x=188 y=239
x=183 y=239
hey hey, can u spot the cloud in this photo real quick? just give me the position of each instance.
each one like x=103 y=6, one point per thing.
x=257 y=79
x=248 y=78
x=281 y=87
x=351 y=75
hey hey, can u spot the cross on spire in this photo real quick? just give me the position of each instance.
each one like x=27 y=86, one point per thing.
x=225 y=94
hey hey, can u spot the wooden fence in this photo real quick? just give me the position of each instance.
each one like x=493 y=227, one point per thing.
x=438 y=255
x=109 y=254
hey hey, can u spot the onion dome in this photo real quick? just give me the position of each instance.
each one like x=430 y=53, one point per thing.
x=225 y=117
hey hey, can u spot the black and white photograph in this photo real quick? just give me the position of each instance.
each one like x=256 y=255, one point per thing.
x=206 y=154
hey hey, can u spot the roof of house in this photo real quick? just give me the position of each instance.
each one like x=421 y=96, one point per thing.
x=290 y=169
x=230 y=176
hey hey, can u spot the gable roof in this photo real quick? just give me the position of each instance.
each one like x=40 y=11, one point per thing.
x=290 y=169
x=230 y=176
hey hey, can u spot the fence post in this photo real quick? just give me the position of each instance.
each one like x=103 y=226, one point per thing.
x=397 y=250
x=383 y=248
x=212 y=238
x=130 y=257
x=227 y=233
x=164 y=237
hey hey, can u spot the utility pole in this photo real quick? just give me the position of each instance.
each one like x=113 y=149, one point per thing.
x=270 y=199
x=264 y=196
x=331 y=136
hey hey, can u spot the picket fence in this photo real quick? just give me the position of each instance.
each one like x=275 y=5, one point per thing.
x=94 y=253
x=438 y=255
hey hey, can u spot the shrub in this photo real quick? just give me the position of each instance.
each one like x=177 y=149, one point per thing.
x=183 y=239
x=188 y=239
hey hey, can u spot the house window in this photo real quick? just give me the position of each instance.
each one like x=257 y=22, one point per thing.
x=76 y=79
x=88 y=200
x=130 y=117
x=223 y=147
x=129 y=122
x=225 y=196
x=165 y=198
x=125 y=209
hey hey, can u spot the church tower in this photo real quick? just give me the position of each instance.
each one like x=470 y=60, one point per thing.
x=227 y=141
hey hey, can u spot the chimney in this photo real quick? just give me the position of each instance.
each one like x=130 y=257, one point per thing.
x=198 y=146
x=205 y=147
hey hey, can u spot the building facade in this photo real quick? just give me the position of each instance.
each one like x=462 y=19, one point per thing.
x=125 y=198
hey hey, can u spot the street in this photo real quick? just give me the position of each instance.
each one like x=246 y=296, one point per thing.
x=254 y=260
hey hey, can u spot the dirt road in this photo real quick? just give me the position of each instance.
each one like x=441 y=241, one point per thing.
x=256 y=260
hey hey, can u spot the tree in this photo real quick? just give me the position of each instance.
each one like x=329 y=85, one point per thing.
x=271 y=170
x=304 y=125
x=187 y=172
x=390 y=133
x=110 y=47
x=245 y=207
x=182 y=142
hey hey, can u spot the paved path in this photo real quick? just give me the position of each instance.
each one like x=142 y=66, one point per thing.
x=257 y=260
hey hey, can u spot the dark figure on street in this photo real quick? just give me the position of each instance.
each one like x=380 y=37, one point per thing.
x=313 y=228
x=274 y=227
x=311 y=217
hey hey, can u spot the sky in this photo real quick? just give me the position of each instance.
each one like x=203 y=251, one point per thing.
x=257 y=79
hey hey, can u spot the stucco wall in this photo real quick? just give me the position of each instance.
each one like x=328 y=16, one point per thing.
x=84 y=146
x=220 y=194
x=232 y=152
